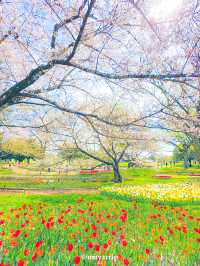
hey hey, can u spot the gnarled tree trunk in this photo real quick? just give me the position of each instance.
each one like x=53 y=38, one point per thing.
x=118 y=177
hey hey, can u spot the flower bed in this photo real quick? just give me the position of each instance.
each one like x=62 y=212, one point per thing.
x=163 y=176
x=63 y=236
x=93 y=172
x=131 y=233
x=156 y=192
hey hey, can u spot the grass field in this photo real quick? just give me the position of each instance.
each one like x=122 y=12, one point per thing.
x=68 y=229
x=132 y=176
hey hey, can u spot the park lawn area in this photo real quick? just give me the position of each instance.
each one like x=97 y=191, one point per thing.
x=4 y=171
x=64 y=229
x=131 y=176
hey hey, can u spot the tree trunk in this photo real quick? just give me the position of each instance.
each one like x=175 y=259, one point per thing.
x=118 y=177
x=190 y=163
x=186 y=165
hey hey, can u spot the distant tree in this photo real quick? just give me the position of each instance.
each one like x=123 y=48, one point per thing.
x=21 y=149
x=186 y=150
x=196 y=150
x=70 y=153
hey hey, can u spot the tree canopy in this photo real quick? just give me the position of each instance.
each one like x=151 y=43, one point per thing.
x=53 y=50
x=20 y=149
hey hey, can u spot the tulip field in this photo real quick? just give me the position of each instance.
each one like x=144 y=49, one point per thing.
x=95 y=230
x=143 y=222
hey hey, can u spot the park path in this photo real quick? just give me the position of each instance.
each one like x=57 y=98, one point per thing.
x=48 y=191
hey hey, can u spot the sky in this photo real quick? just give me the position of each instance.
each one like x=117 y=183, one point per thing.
x=162 y=10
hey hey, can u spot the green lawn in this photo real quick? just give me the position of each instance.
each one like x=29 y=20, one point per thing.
x=4 y=171
x=132 y=176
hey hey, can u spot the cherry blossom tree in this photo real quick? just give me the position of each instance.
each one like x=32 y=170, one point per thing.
x=104 y=142
x=48 y=48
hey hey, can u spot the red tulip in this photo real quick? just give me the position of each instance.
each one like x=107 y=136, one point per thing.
x=94 y=235
x=123 y=218
x=110 y=241
x=60 y=221
x=20 y=263
x=105 y=245
x=122 y=237
x=50 y=219
x=94 y=228
x=106 y=230
x=16 y=233
x=126 y=262
x=34 y=257
x=124 y=243
x=162 y=239
x=13 y=244
x=90 y=245
x=70 y=247
x=147 y=251
x=38 y=244
x=26 y=252
x=171 y=232
x=77 y=260
x=25 y=235
x=114 y=233
x=197 y=230
x=97 y=248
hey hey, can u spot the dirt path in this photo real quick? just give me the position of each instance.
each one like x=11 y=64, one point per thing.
x=48 y=191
